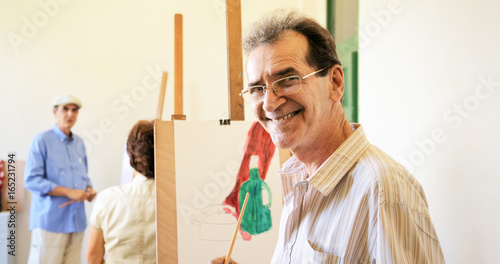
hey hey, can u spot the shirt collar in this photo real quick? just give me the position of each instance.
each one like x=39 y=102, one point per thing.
x=139 y=178
x=60 y=135
x=334 y=168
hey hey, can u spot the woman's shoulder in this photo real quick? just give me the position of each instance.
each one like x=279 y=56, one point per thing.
x=112 y=192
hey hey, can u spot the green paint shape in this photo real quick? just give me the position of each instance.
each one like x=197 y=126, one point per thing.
x=257 y=217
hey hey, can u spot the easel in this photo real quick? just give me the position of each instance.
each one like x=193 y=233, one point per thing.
x=166 y=207
x=165 y=171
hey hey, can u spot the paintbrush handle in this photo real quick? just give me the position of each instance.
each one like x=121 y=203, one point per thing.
x=228 y=256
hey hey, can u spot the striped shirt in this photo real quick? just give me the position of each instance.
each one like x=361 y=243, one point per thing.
x=360 y=206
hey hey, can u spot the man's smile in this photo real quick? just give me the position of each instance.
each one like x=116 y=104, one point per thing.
x=292 y=114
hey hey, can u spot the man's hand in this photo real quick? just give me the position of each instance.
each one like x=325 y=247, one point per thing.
x=221 y=261
x=77 y=195
x=73 y=194
x=92 y=193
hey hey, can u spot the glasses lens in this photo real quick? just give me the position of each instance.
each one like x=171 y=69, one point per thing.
x=288 y=85
x=246 y=97
x=254 y=94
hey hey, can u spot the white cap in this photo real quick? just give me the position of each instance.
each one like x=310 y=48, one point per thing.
x=66 y=99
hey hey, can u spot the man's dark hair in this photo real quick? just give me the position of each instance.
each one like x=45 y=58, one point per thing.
x=321 y=54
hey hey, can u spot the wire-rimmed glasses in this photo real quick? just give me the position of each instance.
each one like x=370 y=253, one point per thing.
x=284 y=86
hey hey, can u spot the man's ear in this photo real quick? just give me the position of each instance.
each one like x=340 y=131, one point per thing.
x=336 y=77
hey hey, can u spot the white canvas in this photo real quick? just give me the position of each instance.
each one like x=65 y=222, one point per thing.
x=207 y=160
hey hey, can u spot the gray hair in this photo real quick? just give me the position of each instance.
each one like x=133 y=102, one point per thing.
x=322 y=52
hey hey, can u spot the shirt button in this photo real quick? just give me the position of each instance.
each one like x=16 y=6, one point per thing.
x=75 y=184
x=73 y=171
x=75 y=211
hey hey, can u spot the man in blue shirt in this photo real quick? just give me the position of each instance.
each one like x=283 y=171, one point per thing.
x=56 y=175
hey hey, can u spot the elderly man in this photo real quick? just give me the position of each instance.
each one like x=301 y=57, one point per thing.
x=56 y=175
x=345 y=200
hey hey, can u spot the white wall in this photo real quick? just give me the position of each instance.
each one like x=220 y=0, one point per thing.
x=110 y=54
x=430 y=96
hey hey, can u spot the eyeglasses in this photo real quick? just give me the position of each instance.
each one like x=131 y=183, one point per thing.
x=284 y=86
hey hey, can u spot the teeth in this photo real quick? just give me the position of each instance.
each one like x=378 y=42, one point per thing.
x=285 y=117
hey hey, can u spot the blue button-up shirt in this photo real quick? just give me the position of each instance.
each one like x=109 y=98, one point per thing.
x=55 y=160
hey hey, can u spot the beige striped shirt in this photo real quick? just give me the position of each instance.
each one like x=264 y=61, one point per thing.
x=360 y=206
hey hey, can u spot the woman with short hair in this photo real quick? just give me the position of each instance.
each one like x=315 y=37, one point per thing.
x=123 y=218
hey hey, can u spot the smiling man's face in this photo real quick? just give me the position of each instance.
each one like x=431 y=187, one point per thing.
x=295 y=120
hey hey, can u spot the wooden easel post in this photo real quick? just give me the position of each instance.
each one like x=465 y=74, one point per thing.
x=166 y=200
x=178 y=75
x=235 y=60
x=159 y=110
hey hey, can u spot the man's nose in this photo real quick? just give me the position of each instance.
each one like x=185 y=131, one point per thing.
x=271 y=101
